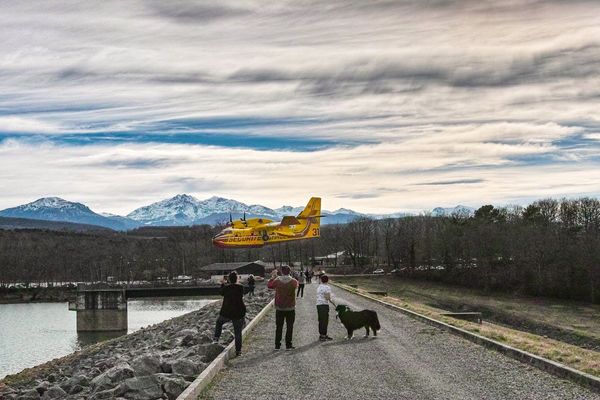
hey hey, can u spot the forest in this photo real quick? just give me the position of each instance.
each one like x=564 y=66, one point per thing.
x=549 y=248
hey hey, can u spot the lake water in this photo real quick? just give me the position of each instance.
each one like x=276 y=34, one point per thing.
x=31 y=334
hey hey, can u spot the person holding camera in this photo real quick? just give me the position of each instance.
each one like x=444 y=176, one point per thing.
x=285 y=305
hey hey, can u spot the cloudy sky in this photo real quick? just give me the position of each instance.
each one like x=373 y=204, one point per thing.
x=379 y=106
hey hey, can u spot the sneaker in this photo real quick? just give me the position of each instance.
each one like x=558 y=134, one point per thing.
x=277 y=348
x=322 y=338
x=238 y=353
x=290 y=348
x=327 y=338
x=215 y=341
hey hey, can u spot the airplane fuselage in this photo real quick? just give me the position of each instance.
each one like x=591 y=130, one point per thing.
x=258 y=232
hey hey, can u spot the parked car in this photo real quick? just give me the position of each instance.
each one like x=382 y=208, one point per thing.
x=379 y=271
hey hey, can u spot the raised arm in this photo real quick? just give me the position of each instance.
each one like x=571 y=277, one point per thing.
x=272 y=283
x=223 y=282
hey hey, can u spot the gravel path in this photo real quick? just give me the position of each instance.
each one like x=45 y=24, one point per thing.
x=409 y=360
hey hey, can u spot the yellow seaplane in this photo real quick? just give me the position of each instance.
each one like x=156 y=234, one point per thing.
x=257 y=232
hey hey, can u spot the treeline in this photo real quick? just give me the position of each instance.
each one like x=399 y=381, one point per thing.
x=31 y=256
x=40 y=256
x=550 y=248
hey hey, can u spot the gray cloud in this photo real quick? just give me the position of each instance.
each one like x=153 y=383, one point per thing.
x=451 y=182
x=357 y=196
x=132 y=163
x=190 y=184
x=471 y=88
x=190 y=12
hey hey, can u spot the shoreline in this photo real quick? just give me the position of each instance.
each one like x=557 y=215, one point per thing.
x=164 y=357
x=37 y=295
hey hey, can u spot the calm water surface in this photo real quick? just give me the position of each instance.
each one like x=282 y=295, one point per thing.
x=31 y=334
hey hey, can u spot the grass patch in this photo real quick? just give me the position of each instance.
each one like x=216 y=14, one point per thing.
x=566 y=321
x=581 y=359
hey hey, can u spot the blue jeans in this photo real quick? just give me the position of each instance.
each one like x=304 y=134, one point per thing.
x=238 y=326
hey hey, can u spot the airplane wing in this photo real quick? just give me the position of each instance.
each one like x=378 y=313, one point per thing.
x=287 y=221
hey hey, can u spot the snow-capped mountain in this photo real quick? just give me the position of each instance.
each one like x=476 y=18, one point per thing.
x=57 y=209
x=447 y=212
x=184 y=209
x=288 y=210
x=345 y=211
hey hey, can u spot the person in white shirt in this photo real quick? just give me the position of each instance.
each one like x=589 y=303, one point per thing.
x=323 y=300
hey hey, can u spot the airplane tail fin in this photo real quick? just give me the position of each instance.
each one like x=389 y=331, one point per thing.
x=312 y=209
x=312 y=213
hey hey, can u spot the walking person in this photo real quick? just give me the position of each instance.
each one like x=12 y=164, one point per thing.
x=233 y=310
x=307 y=276
x=251 y=285
x=323 y=300
x=301 y=281
x=285 y=305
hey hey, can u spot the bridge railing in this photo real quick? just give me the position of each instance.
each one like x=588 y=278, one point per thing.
x=145 y=284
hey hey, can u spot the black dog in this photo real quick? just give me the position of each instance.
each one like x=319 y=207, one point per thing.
x=353 y=320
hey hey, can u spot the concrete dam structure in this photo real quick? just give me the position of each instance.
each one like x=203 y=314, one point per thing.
x=105 y=309
x=101 y=310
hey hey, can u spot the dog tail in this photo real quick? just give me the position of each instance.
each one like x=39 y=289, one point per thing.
x=376 y=324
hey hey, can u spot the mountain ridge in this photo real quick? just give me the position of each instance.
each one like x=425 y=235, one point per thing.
x=185 y=210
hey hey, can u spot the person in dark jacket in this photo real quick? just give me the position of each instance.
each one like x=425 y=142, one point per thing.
x=233 y=310
x=301 y=279
x=251 y=285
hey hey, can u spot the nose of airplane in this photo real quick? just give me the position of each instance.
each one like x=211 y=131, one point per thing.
x=218 y=241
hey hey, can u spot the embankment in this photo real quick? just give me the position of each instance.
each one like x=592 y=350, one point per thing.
x=159 y=361
x=565 y=321
x=37 y=295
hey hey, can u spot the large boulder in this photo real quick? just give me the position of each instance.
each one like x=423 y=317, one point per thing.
x=204 y=338
x=30 y=395
x=146 y=364
x=54 y=392
x=186 y=332
x=183 y=366
x=210 y=351
x=168 y=344
x=189 y=340
x=42 y=387
x=173 y=385
x=76 y=389
x=112 y=377
x=105 y=394
x=77 y=380
x=140 y=388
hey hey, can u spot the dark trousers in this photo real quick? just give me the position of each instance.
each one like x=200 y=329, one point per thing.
x=289 y=317
x=300 y=290
x=323 y=314
x=251 y=291
x=238 y=326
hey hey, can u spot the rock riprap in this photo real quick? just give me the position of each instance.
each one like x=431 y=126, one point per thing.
x=156 y=362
